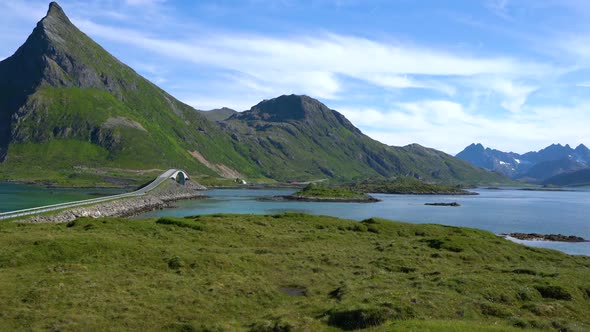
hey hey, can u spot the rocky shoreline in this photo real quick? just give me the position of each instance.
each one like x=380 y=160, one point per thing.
x=159 y=198
x=443 y=204
x=546 y=237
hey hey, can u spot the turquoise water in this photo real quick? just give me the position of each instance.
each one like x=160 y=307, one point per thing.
x=19 y=196
x=499 y=211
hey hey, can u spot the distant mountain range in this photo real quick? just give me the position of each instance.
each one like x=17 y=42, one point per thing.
x=70 y=111
x=536 y=166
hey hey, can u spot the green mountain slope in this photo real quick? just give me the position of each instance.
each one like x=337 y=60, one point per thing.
x=579 y=178
x=218 y=114
x=294 y=137
x=70 y=113
x=63 y=92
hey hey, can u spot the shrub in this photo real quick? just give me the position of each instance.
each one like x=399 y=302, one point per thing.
x=179 y=223
x=525 y=271
x=554 y=292
x=175 y=263
x=358 y=227
x=490 y=309
x=355 y=319
x=276 y=325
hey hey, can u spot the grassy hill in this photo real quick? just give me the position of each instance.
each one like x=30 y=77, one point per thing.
x=287 y=272
x=578 y=178
x=297 y=137
x=405 y=185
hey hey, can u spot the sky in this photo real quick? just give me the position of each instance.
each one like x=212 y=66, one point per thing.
x=511 y=74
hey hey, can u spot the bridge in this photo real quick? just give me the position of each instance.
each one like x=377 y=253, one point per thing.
x=177 y=175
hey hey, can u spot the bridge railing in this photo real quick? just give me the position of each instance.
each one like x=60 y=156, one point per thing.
x=47 y=208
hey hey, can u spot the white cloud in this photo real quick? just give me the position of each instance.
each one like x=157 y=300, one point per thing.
x=404 y=81
x=514 y=94
x=316 y=62
x=448 y=126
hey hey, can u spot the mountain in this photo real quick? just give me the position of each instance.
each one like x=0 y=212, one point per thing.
x=72 y=113
x=218 y=114
x=66 y=102
x=293 y=136
x=547 y=169
x=532 y=166
x=507 y=163
x=572 y=179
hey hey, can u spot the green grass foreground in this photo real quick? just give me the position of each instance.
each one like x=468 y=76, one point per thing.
x=287 y=272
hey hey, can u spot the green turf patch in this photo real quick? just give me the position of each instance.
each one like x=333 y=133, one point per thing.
x=286 y=272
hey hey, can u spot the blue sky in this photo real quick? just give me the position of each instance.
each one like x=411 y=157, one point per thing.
x=511 y=74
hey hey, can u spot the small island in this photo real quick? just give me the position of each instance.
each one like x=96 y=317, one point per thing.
x=407 y=186
x=546 y=237
x=443 y=204
x=321 y=193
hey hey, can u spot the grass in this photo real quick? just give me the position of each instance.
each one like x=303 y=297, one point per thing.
x=286 y=272
x=321 y=191
x=404 y=185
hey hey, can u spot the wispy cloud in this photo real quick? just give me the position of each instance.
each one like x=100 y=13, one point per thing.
x=317 y=62
x=450 y=127
x=413 y=88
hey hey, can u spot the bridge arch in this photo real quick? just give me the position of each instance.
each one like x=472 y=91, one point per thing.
x=180 y=176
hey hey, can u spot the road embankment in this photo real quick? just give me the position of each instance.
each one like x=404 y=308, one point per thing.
x=159 y=198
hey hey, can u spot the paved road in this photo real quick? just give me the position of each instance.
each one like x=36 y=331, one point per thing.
x=42 y=209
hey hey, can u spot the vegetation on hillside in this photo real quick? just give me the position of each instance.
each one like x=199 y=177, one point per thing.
x=580 y=178
x=405 y=185
x=62 y=92
x=281 y=273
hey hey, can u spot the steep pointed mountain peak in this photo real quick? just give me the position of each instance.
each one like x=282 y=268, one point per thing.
x=54 y=29
x=582 y=147
x=55 y=16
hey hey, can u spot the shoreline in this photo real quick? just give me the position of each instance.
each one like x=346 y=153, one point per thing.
x=160 y=198
x=370 y=199
x=545 y=237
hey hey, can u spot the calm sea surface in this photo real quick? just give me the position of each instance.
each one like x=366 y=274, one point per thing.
x=20 y=196
x=499 y=211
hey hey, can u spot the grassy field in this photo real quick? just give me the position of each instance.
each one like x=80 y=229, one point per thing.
x=287 y=272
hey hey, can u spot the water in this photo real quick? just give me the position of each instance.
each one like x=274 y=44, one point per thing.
x=499 y=211
x=20 y=196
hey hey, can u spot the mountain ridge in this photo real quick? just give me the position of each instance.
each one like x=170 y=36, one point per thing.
x=68 y=105
x=533 y=166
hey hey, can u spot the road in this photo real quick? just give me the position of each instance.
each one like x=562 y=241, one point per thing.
x=48 y=208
